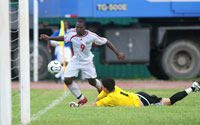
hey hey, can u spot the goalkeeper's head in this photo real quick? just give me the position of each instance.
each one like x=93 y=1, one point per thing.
x=109 y=84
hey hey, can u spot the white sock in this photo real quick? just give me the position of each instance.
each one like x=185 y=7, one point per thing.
x=75 y=91
x=98 y=85
x=61 y=72
x=81 y=97
x=188 y=90
x=57 y=75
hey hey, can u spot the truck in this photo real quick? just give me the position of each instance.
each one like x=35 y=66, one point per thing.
x=164 y=35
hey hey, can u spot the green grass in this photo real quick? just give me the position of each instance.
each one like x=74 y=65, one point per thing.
x=186 y=111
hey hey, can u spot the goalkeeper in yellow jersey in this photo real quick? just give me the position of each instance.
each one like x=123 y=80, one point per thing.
x=115 y=96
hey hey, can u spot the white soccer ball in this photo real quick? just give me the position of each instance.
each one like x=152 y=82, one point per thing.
x=54 y=67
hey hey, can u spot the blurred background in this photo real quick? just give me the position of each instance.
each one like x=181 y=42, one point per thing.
x=160 y=38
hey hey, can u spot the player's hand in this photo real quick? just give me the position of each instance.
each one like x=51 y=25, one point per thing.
x=121 y=56
x=44 y=36
x=73 y=104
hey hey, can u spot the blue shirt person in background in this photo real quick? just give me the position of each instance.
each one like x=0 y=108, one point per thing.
x=58 y=53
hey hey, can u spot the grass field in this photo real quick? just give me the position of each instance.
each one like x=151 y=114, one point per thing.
x=185 y=112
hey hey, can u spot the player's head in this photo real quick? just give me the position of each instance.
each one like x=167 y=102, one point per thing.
x=80 y=27
x=66 y=24
x=108 y=83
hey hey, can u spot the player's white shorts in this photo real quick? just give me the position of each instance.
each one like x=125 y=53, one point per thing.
x=87 y=68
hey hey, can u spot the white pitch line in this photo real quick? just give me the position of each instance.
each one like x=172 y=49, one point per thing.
x=53 y=104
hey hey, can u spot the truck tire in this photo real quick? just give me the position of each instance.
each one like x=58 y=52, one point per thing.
x=155 y=68
x=181 y=59
x=44 y=59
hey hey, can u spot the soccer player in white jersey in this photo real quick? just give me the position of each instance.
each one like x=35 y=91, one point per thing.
x=82 y=41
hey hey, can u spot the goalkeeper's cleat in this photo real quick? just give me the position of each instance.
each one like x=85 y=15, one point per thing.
x=83 y=101
x=196 y=86
x=73 y=104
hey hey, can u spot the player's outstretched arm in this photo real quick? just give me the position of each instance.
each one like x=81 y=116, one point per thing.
x=73 y=104
x=119 y=55
x=91 y=105
x=56 y=38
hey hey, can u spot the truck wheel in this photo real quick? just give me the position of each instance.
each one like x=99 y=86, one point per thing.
x=181 y=59
x=155 y=68
x=44 y=59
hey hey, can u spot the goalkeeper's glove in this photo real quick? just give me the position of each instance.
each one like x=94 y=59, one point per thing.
x=73 y=104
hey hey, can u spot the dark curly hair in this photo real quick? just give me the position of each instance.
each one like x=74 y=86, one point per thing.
x=108 y=83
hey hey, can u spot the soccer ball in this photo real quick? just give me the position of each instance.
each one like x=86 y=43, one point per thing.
x=54 y=67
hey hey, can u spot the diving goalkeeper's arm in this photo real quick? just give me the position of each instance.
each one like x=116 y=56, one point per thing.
x=73 y=104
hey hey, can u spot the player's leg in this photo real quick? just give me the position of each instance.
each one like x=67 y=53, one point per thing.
x=149 y=100
x=73 y=87
x=154 y=100
x=180 y=95
x=60 y=75
x=89 y=73
x=96 y=83
x=166 y=101
x=62 y=78
x=72 y=70
x=58 y=57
